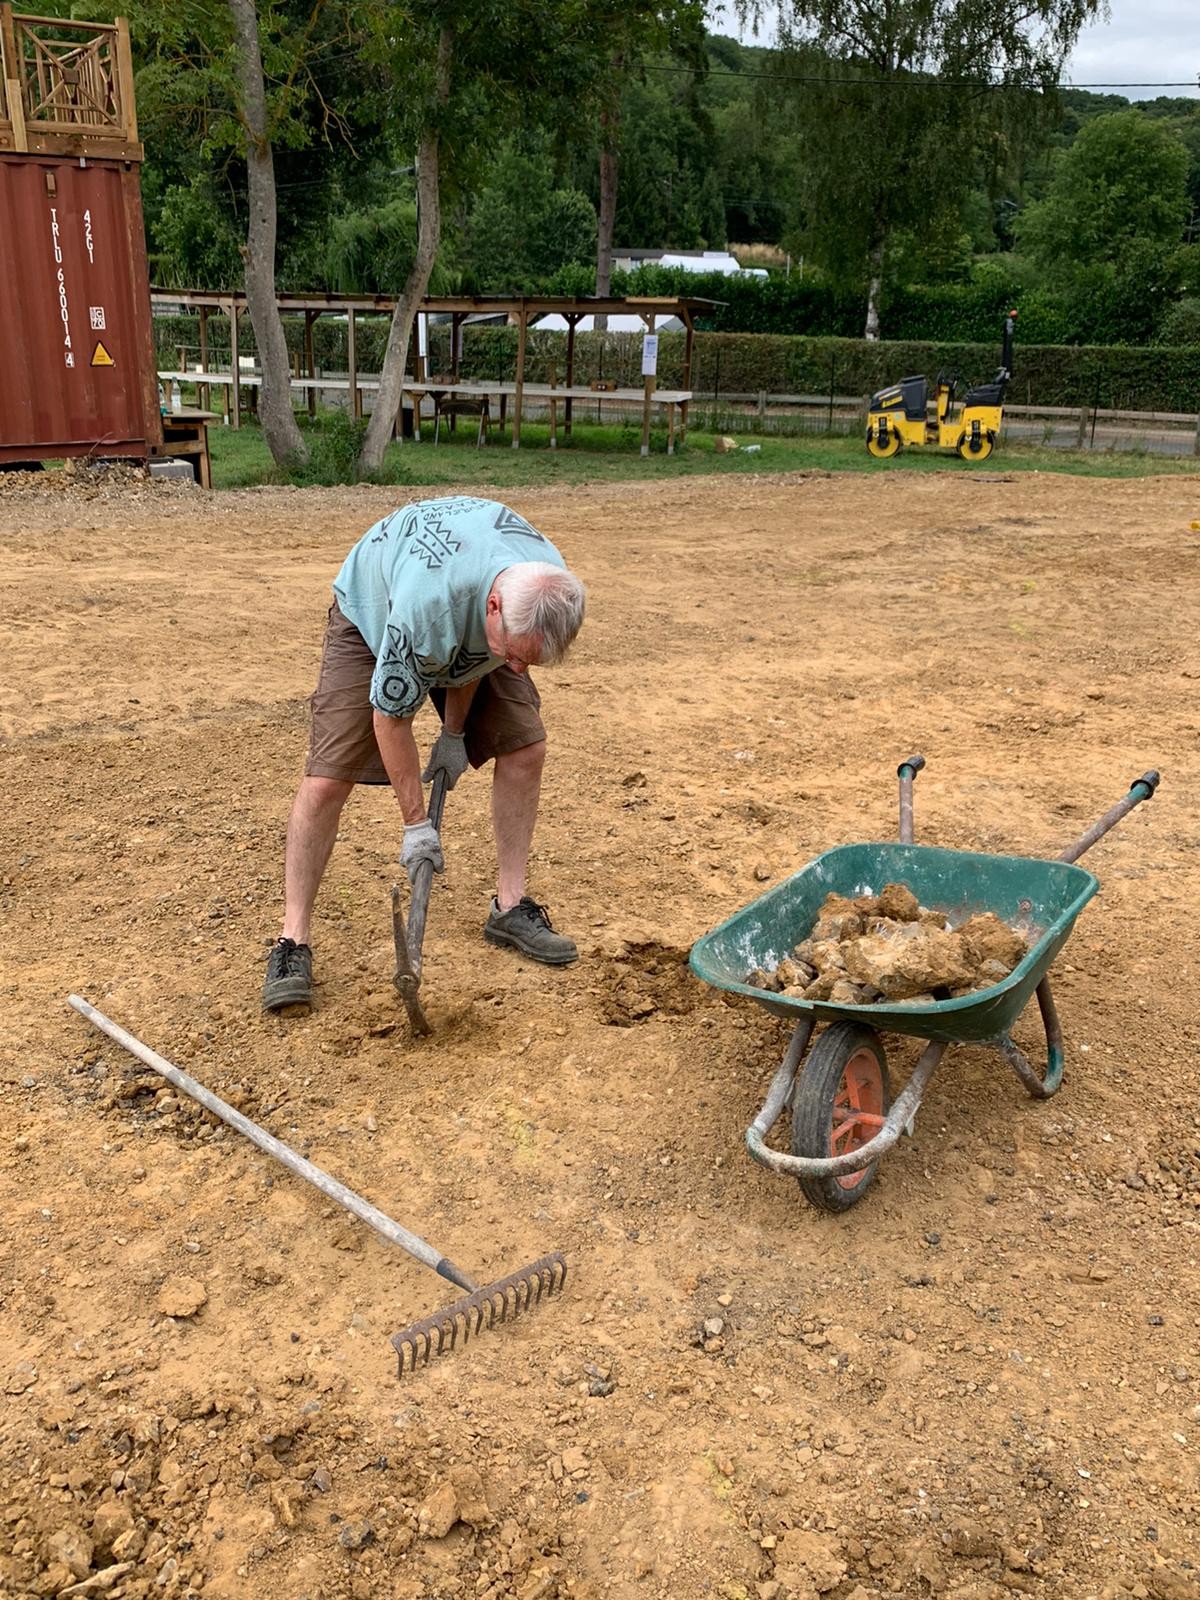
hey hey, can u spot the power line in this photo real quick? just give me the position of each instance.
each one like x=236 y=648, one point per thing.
x=902 y=83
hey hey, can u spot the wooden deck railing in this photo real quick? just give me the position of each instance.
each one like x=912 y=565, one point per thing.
x=66 y=87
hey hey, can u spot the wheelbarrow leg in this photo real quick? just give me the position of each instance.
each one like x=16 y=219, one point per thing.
x=1040 y=1088
x=779 y=1094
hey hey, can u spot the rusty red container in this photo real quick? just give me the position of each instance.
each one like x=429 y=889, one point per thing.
x=77 y=368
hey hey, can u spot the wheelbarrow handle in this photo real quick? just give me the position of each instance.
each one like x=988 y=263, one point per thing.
x=906 y=772
x=1141 y=789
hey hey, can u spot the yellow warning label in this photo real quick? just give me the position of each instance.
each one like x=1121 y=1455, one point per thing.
x=101 y=357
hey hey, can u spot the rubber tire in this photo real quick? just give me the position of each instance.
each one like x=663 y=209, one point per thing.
x=986 y=445
x=812 y=1110
x=894 y=443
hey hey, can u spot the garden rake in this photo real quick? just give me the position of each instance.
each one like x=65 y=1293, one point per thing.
x=416 y=1346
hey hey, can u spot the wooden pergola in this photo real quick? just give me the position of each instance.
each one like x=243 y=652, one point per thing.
x=519 y=310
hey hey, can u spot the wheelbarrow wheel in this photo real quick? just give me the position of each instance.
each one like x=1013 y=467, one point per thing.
x=839 y=1102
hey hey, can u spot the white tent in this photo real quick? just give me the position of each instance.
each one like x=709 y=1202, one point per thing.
x=618 y=322
x=712 y=261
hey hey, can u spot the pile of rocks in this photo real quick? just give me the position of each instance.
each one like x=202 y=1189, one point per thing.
x=114 y=480
x=888 y=948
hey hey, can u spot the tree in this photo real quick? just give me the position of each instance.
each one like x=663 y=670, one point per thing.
x=1124 y=182
x=459 y=72
x=625 y=34
x=900 y=105
x=275 y=412
x=430 y=102
x=524 y=227
x=231 y=89
x=371 y=251
x=196 y=243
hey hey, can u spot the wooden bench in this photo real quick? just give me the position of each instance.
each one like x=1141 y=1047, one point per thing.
x=185 y=436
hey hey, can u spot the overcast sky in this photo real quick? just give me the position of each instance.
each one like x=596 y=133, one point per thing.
x=1154 y=41
x=1146 y=40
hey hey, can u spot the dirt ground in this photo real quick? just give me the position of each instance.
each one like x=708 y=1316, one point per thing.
x=983 y=1379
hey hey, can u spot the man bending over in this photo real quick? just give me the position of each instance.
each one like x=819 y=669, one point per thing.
x=454 y=600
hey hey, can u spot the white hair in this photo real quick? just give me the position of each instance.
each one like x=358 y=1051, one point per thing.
x=545 y=601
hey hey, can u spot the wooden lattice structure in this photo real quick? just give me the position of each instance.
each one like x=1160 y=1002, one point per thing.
x=67 y=87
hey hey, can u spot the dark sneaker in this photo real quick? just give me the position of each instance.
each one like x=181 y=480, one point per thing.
x=527 y=928
x=289 y=976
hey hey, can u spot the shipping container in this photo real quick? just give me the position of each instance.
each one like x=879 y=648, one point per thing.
x=77 y=370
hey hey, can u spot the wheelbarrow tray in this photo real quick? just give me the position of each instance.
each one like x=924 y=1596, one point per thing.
x=1039 y=898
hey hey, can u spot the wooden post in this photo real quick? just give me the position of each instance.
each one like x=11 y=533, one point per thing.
x=649 y=381
x=12 y=85
x=553 y=410
x=1196 y=442
x=309 y=318
x=204 y=393
x=572 y=319
x=1083 y=416
x=455 y=324
x=522 y=329
x=419 y=369
x=352 y=365
x=235 y=363
x=125 y=79
x=688 y=348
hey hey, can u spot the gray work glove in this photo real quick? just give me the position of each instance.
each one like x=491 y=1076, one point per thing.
x=421 y=843
x=449 y=755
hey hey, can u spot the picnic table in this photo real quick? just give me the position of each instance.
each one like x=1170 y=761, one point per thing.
x=449 y=395
x=446 y=391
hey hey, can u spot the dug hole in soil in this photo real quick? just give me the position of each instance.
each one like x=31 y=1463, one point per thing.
x=982 y=1380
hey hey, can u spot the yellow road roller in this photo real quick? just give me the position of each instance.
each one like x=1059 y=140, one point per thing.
x=899 y=417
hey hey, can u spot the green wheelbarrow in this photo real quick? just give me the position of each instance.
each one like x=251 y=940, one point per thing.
x=843 y=1116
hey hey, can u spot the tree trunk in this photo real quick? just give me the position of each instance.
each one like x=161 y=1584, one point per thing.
x=610 y=133
x=278 y=420
x=871 y=331
x=875 y=268
x=429 y=228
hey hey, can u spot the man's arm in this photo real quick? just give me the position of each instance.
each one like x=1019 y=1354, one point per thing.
x=458 y=703
x=398 y=747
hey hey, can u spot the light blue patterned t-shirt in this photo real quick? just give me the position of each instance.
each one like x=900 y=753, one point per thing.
x=416 y=586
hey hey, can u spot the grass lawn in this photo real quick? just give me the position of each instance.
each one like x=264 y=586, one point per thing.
x=600 y=454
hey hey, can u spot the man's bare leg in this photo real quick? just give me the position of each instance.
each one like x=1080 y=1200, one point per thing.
x=515 y=920
x=516 y=788
x=312 y=829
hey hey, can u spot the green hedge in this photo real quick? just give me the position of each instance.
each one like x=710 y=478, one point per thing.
x=1136 y=379
x=1151 y=379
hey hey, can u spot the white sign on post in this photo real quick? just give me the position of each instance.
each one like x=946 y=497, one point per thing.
x=649 y=355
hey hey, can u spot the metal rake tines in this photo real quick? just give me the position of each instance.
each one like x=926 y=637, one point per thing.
x=507 y=1298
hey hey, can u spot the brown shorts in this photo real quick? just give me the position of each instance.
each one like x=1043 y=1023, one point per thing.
x=503 y=715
